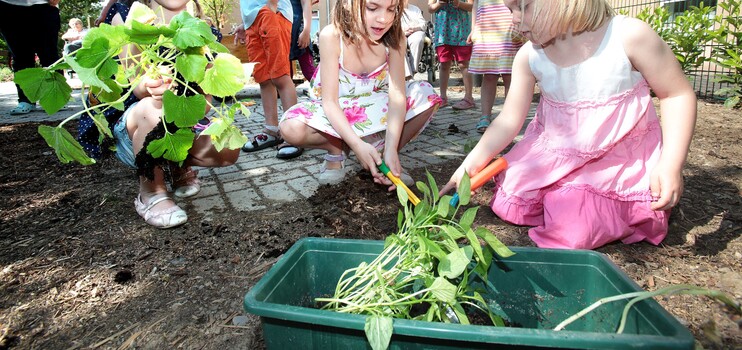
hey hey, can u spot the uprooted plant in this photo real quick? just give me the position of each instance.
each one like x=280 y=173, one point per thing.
x=425 y=270
x=183 y=51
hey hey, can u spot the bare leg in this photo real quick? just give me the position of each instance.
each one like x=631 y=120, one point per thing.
x=269 y=97
x=144 y=116
x=286 y=88
x=445 y=73
x=468 y=81
x=413 y=126
x=489 y=93
x=506 y=82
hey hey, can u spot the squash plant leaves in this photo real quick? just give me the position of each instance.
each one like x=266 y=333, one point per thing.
x=65 y=146
x=181 y=110
x=145 y=34
x=189 y=45
x=48 y=87
x=114 y=35
x=190 y=31
x=94 y=55
x=173 y=147
x=192 y=66
x=140 y=13
x=225 y=77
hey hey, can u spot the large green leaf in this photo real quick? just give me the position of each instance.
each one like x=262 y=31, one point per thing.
x=89 y=76
x=184 y=111
x=190 y=31
x=65 y=146
x=47 y=87
x=115 y=35
x=191 y=66
x=173 y=147
x=225 y=77
x=91 y=57
x=379 y=331
x=224 y=135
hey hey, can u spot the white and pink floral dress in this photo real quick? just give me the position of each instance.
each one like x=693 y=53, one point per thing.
x=580 y=175
x=365 y=100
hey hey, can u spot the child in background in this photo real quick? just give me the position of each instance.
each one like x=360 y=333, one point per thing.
x=359 y=98
x=594 y=165
x=268 y=30
x=142 y=115
x=451 y=29
x=495 y=43
x=301 y=30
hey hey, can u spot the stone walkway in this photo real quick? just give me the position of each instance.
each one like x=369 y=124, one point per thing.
x=259 y=180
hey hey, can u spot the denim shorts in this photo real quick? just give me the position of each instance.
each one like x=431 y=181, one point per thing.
x=124 y=145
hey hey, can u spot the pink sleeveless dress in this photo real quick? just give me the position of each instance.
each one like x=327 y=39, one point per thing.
x=580 y=175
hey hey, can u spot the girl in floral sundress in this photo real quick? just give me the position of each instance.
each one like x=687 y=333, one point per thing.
x=595 y=165
x=359 y=98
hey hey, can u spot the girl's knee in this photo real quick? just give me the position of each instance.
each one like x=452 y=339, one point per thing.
x=292 y=130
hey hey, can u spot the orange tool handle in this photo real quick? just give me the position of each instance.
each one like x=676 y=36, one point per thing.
x=488 y=172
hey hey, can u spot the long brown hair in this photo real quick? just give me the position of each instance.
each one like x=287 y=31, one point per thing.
x=349 y=16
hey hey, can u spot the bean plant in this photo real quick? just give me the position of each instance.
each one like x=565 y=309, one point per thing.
x=183 y=51
x=425 y=269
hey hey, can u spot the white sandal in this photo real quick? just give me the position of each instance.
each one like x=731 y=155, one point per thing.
x=166 y=218
x=332 y=176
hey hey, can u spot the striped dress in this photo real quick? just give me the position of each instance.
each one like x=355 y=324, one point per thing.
x=496 y=41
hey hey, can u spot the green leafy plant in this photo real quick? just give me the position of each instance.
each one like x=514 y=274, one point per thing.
x=184 y=51
x=686 y=35
x=426 y=269
x=728 y=52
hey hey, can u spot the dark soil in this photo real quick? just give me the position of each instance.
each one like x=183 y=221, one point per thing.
x=80 y=269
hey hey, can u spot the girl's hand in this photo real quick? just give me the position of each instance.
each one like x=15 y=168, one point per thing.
x=391 y=158
x=369 y=157
x=470 y=38
x=304 y=38
x=666 y=186
x=453 y=183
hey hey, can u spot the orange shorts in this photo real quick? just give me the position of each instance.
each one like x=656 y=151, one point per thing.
x=268 y=44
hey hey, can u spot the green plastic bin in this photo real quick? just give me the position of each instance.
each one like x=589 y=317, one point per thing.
x=534 y=290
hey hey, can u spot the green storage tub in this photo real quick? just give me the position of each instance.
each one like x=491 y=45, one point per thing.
x=534 y=290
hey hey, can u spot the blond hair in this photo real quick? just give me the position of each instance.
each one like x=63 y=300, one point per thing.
x=74 y=21
x=349 y=16
x=558 y=17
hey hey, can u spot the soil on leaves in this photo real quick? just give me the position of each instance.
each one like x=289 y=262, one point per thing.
x=79 y=268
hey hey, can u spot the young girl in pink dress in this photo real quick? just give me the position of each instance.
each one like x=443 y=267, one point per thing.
x=595 y=165
x=359 y=98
